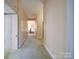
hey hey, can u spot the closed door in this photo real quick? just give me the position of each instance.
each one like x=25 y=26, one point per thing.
x=7 y=32
x=14 y=31
x=11 y=31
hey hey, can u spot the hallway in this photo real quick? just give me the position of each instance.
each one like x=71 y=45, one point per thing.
x=30 y=50
x=51 y=21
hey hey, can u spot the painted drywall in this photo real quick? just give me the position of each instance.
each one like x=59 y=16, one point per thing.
x=7 y=9
x=55 y=28
x=70 y=28
x=22 y=24
x=12 y=4
x=39 y=21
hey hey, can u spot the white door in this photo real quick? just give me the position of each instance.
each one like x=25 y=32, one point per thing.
x=11 y=31
x=7 y=32
x=14 y=31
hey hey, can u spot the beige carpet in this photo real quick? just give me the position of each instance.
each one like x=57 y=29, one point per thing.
x=30 y=50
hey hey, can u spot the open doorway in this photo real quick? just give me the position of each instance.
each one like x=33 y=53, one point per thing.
x=31 y=25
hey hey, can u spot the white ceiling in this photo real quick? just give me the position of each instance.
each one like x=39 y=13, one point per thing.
x=32 y=6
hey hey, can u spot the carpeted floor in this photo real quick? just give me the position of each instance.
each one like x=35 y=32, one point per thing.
x=30 y=50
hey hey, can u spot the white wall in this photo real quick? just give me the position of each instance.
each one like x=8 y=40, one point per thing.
x=40 y=23
x=70 y=27
x=55 y=28
x=58 y=28
x=7 y=9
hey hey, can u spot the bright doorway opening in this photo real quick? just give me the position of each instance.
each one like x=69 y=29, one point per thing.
x=32 y=27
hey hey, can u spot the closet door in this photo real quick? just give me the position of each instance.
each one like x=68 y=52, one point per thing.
x=7 y=32
x=14 y=31
x=11 y=31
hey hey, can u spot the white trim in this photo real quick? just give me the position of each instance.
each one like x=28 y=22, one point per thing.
x=53 y=57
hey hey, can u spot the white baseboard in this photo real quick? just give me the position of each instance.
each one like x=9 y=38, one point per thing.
x=52 y=56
